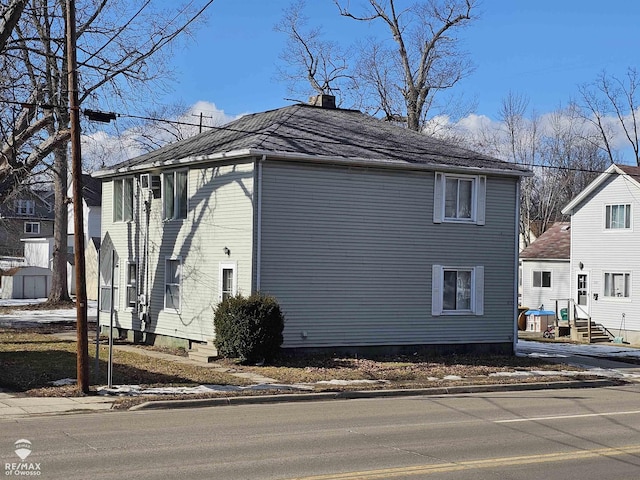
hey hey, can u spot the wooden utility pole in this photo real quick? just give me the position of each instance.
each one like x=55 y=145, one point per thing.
x=78 y=229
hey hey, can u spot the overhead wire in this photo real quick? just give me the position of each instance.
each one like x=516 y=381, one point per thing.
x=244 y=131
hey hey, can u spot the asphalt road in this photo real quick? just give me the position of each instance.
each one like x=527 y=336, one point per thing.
x=556 y=434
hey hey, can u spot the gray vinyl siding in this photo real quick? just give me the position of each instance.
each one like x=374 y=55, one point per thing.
x=349 y=253
x=614 y=251
x=534 y=297
x=219 y=214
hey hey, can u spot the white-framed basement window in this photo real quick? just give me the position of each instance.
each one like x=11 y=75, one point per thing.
x=32 y=227
x=459 y=198
x=174 y=195
x=457 y=290
x=105 y=289
x=617 y=285
x=123 y=199
x=172 y=283
x=228 y=280
x=617 y=217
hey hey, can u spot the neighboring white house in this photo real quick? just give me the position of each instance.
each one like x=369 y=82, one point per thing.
x=605 y=254
x=545 y=270
x=368 y=234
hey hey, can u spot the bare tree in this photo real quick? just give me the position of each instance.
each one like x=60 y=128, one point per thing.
x=521 y=140
x=612 y=104
x=118 y=43
x=321 y=63
x=426 y=59
x=561 y=150
x=9 y=20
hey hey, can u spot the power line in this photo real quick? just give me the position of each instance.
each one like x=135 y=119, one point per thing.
x=91 y=115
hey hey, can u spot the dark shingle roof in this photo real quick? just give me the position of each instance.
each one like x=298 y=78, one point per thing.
x=630 y=170
x=91 y=190
x=314 y=131
x=554 y=244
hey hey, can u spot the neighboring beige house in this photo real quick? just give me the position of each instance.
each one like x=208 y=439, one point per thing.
x=91 y=220
x=545 y=270
x=369 y=235
x=605 y=263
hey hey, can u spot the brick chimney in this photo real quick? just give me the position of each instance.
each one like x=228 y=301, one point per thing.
x=323 y=100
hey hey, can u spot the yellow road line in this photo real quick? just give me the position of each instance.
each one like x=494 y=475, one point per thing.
x=471 y=464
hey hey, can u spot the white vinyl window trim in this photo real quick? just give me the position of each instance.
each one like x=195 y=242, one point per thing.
x=617 y=217
x=105 y=289
x=131 y=273
x=173 y=284
x=32 y=227
x=25 y=207
x=541 y=279
x=469 y=277
x=459 y=198
x=228 y=280
x=123 y=199
x=617 y=285
x=174 y=195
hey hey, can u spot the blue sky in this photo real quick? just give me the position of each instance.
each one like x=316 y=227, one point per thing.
x=542 y=49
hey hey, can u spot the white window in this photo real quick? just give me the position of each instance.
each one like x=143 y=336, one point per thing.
x=457 y=290
x=617 y=285
x=25 y=207
x=617 y=217
x=172 y=283
x=228 y=280
x=31 y=227
x=174 y=195
x=541 y=279
x=132 y=284
x=459 y=198
x=105 y=289
x=123 y=200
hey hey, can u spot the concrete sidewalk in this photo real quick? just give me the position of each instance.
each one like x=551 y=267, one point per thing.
x=16 y=406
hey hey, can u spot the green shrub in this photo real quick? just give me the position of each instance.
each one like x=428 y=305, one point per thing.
x=249 y=328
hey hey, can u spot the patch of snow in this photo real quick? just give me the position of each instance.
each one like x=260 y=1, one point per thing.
x=136 y=390
x=452 y=377
x=64 y=381
x=29 y=318
x=350 y=382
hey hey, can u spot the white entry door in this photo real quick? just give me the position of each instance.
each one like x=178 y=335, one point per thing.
x=582 y=295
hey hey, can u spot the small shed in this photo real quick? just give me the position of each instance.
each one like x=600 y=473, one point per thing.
x=539 y=320
x=25 y=282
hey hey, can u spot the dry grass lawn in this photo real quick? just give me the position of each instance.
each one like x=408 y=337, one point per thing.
x=31 y=359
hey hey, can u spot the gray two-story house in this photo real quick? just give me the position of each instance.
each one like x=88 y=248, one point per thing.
x=369 y=235
x=26 y=213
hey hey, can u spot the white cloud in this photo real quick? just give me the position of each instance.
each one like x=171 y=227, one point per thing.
x=111 y=146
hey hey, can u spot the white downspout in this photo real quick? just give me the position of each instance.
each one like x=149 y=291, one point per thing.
x=516 y=267
x=259 y=226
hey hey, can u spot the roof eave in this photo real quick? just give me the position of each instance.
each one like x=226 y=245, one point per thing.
x=306 y=158
x=613 y=168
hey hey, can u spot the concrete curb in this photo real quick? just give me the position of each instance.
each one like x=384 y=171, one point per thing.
x=360 y=394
